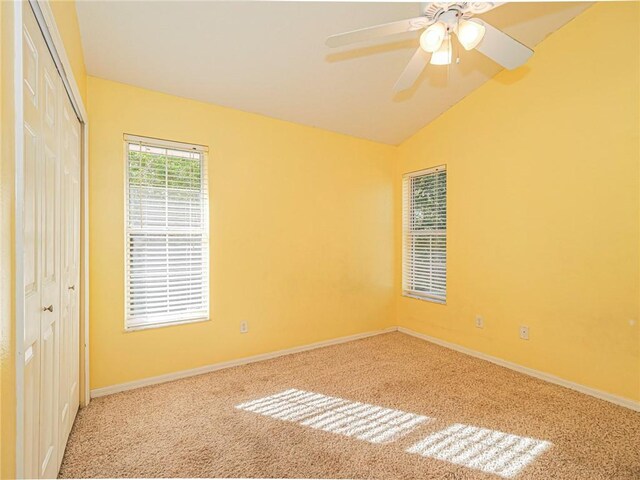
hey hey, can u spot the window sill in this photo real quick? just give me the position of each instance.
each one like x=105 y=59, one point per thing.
x=166 y=324
x=424 y=299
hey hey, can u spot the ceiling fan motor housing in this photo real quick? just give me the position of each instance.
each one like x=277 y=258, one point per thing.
x=435 y=10
x=450 y=18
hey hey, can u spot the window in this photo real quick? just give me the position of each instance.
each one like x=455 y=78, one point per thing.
x=167 y=233
x=424 y=247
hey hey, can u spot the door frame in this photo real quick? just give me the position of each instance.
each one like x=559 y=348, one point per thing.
x=46 y=21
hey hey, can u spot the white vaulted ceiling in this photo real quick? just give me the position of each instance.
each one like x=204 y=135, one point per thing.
x=270 y=58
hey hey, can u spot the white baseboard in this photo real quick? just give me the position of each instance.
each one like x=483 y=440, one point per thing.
x=100 y=392
x=623 y=402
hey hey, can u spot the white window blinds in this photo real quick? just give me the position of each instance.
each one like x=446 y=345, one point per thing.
x=167 y=233
x=424 y=251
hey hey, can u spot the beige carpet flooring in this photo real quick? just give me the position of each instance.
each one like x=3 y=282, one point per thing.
x=390 y=406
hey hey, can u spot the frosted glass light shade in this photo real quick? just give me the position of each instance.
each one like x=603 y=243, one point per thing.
x=432 y=37
x=442 y=56
x=470 y=34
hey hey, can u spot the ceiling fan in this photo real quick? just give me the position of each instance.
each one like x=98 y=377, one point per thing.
x=440 y=21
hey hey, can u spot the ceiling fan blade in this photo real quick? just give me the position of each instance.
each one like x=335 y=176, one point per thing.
x=484 y=7
x=408 y=25
x=501 y=48
x=413 y=70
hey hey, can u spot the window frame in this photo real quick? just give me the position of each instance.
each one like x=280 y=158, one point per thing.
x=406 y=232
x=168 y=144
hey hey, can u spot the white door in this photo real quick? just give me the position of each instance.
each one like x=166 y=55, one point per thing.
x=41 y=253
x=69 y=400
x=31 y=246
x=51 y=318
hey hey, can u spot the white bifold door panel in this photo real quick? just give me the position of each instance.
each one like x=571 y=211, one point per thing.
x=70 y=270
x=51 y=257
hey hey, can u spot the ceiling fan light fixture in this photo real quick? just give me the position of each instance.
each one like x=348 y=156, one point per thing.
x=442 y=56
x=470 y=34
x=432 y=38
x=437 y=23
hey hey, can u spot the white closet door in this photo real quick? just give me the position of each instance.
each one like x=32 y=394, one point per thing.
x=31 y=246
x=51 y=257
x=41 y=255
x=53 y=91
x=70 y=337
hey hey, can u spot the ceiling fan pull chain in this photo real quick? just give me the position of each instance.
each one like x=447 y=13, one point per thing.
x=458 y=43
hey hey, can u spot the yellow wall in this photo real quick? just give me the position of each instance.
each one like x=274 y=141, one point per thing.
x=64 y=12
x=543 y=208
x=543 y=205
x=7 y=252
x=301 y=234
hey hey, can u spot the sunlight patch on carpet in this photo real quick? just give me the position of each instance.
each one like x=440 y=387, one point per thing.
x=490 y=451
x=363 y=421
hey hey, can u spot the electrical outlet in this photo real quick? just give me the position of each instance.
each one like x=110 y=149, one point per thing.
x=524 y=332
x=244 y=326
x=479 y=322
